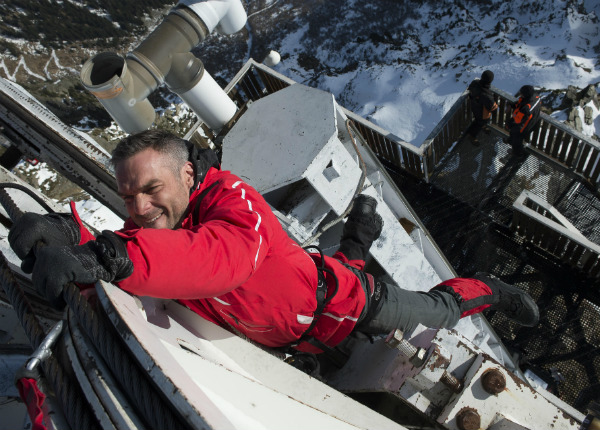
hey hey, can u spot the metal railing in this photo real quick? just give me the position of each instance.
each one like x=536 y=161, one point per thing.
x=540 y=223
x=550 y=138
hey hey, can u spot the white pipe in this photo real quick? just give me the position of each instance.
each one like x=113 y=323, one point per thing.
x=227 y=16
x=208 y=100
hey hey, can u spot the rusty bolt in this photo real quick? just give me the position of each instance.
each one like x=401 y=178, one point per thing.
x=451 y=382
x=416 y=355
x=468 y=419
x=493 y=381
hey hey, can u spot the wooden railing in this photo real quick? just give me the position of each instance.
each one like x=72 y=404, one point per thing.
x=255 y=81
x=533 y=218
x=550 y=138
x=537 y=221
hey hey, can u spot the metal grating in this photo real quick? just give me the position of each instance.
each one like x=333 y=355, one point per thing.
x=581 y=206
x=467 y=207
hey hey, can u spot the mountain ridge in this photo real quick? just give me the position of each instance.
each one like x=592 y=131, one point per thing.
x=399 y=64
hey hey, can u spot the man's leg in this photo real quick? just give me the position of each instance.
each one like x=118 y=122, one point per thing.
x=405 y=309
x=447 y=302
x=516 y=141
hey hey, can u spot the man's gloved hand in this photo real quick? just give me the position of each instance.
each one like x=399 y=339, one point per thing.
x=105 y=258
x=50 y=229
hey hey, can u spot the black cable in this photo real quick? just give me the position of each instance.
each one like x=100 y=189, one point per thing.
x=144 y=396
x=29 y=192
x=68 y=392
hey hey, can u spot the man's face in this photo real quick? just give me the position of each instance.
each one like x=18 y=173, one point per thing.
x=155 y=196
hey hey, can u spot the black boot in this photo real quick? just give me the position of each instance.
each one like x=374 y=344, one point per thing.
x=362 y=228
x=512 y=301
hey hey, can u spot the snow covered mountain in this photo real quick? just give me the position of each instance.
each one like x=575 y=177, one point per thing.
x=399 y=64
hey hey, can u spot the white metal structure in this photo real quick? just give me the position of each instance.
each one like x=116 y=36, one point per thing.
x=300 y=149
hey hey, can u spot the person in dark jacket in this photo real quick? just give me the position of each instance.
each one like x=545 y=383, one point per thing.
x=218 y=249
x=525 y=116
x=482 y=104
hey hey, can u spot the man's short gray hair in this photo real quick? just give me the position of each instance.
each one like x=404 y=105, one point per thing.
x=161 y=141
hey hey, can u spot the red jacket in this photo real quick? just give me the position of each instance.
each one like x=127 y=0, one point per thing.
x=232 y=263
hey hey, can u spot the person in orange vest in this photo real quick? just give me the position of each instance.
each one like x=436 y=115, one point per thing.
x=525 y=115
x=482 y=104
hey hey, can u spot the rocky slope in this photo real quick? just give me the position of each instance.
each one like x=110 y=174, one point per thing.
x=335 y=45
x=399 y=64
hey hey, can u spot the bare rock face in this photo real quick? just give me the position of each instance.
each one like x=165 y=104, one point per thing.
x=575 y=100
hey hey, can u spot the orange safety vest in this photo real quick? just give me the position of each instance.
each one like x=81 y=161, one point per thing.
x=519 y=116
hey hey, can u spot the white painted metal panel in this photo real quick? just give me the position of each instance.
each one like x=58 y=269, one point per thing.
x=222 y=380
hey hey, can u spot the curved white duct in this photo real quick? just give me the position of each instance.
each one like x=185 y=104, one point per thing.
x=226 y=16
x=123 y=85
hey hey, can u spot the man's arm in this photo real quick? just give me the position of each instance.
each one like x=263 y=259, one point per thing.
x=208 y=259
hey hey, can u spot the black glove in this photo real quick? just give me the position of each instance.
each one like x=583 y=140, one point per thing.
x=50 y=229
x=105 y=258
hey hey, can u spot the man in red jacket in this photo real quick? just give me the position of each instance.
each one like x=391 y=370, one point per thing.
x=219 y=250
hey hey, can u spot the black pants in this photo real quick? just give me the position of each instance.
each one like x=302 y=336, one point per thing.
x=516 y=141
x=475 y=127
x=405 y=309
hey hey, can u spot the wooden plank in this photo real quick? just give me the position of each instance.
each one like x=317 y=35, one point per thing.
x=574 y=149
x=575 y=255
x=455 y=130
x=494 y=119
x=381 y=144
x=408 y=160
x=390 y=148
x=376 y=144
x=549 y=238
x=564 y=147
x=246 y=85
x=256 y=84
x=419 y=173
x=369 y=138
x=560 y=245
x=543 y=142
x=535 y=137
x=594 y=169
x=558 y=142
x=502 y=114
x=550 y=138
x=587 y=259
x=272 y=83
x=591 y=164
x=395 y=153
x=585 y=151
x=411 y=162
x=438 y=149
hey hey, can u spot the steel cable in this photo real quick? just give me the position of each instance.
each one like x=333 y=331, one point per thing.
x=139 y=389
x=75 y=410
x=141 y=392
